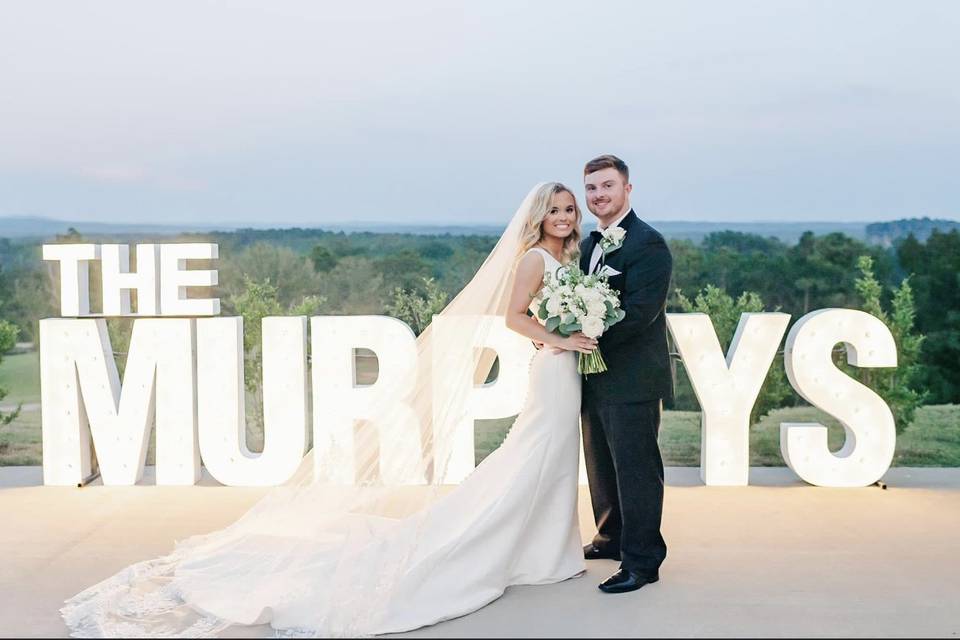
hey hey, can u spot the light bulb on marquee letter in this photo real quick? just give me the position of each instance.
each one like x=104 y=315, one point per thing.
x=727 y=388
x=339 y=403
x=74 y=275
x=870 y=432
x=81 y=396
x=503 y=398
x=220 y=400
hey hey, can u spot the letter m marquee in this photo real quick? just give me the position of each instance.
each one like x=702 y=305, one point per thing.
x=83 y=404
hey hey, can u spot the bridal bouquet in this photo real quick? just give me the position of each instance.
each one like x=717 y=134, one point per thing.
x=572 y=302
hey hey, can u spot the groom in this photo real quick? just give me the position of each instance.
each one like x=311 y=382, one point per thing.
x=620 y=412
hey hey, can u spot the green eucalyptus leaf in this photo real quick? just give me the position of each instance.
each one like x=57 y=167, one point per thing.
x=570 y=328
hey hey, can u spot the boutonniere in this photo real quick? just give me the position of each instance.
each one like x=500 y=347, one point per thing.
x=611 y=239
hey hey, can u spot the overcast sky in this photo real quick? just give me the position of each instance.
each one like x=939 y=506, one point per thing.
x=314 y=112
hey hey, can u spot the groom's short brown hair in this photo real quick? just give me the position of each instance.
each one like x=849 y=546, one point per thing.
x=608 y=162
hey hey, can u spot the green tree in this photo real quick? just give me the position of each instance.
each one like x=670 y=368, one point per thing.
x=898 y=386
x=355 y=286
x=822 y=269
x=322 y=258
x=417 y=309
x=404 y=269
x=289 y=273
x=935 y=278
x=436 y=250
x=725 y=314
x=8 y=339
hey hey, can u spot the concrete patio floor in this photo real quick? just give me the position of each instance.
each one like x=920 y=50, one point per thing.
x=777 y=558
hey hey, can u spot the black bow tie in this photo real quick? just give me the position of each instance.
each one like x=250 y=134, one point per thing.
x=596 y=235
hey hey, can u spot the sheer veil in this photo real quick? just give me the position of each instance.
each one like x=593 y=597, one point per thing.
x=320 y=556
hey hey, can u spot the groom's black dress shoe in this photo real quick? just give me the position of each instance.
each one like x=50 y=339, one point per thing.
x=626 y=580
x=591 y=552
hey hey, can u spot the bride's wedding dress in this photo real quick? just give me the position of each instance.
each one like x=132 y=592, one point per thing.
x=512 y=521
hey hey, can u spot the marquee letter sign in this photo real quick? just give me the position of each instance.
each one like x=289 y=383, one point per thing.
x=81 y=398
x=502 y=398
x=727 y=388
x=220 y=400
x=185 y=377
x=867 y=421
x=341 y=405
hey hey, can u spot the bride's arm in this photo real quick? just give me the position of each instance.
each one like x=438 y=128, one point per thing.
x=526 y=283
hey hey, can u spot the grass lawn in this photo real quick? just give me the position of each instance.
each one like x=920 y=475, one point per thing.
x=20 y=376
x=932 y=440
x=20 y=440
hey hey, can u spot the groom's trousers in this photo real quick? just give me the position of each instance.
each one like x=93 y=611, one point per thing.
x=625 y=471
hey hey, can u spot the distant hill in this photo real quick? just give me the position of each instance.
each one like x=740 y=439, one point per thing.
x=789 y=232
x=886 y=233
x=31 y=227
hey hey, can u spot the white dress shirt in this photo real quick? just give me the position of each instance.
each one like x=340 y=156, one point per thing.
x=597 y=251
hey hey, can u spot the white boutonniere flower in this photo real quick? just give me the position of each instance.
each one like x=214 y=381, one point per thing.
x=612 y=239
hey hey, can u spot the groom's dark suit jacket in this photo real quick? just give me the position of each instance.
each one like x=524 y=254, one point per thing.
x=635 y=349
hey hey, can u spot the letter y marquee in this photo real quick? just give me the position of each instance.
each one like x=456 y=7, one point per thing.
x=727 y=388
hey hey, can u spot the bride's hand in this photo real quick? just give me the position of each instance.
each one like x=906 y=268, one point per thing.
x=578 y=342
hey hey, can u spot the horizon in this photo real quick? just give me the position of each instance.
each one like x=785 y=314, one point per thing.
x=789 y=232
x=587 y=220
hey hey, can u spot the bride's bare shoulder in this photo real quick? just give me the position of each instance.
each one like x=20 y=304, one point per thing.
x=531 y=267
x=531 y=261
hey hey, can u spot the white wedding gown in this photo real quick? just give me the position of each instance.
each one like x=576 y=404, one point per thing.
x=513 y=521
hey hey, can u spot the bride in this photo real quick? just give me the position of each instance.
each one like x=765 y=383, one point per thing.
x=319 y=558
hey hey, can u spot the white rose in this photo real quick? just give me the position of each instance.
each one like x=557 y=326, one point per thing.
x=553 y=305
x=597 y=308
x=592 y=326
x=614 y=234
x=592 y=295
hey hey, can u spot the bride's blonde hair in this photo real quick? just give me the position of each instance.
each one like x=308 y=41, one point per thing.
x=532 y=232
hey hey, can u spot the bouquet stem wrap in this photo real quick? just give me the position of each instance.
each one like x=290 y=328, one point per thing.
x=591 y=363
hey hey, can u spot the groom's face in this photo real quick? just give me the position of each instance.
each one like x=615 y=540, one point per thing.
x=607 y=193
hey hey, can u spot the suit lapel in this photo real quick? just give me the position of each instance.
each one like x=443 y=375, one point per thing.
x=628 y=221
x=586 y=253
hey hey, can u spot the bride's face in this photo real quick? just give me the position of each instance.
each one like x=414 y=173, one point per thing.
x=561 y=219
